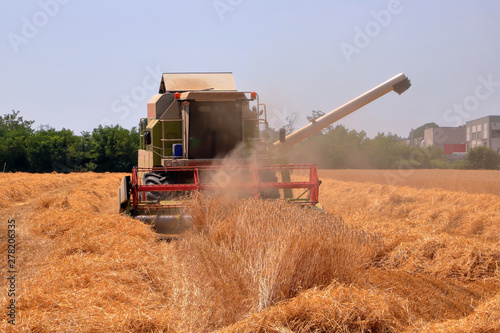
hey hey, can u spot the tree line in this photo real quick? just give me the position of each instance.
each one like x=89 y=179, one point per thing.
x=45 y=149
x=337 y=147
x=114 y=149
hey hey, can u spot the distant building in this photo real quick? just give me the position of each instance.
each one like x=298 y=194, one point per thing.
x=448 y=139
x=483 y=132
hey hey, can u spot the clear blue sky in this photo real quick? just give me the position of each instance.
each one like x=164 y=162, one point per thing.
x=77 y=64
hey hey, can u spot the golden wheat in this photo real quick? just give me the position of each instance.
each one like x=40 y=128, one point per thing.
x=381 y=258
x=251 y=254
x=470 y=181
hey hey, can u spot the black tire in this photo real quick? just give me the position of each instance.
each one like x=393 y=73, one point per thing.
x=162 y=178
x=153 y=178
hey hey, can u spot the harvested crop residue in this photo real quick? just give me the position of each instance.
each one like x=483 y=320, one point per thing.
x=380 y=259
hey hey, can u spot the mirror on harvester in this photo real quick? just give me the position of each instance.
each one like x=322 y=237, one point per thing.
x=147 y=137
x=282 y=134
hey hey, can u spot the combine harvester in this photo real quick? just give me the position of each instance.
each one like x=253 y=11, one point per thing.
x=201 y=134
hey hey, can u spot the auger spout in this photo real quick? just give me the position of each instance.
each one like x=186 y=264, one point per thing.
x=400 y=83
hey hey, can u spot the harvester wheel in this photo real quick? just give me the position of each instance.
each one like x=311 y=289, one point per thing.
x=164 y=178
x=153 y=178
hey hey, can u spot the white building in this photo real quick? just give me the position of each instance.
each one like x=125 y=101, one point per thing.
x=445 y=138
x=483 y=132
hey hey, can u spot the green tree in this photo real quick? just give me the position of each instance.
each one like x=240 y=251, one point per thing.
x=14 y=132
x=51 y=150
x=344 y=147
x=336 y=149
x=386 y=151
x=436 y=158
x=419 y=131
x=482 y=158
x=110 y=148
x=114 y=148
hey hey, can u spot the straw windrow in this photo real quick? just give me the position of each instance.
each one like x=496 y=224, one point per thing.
x=399 y=259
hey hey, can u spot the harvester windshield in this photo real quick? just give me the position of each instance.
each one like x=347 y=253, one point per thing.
x=217 y=129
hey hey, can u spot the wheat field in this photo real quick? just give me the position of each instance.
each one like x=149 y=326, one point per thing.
x=380 y=258
x=470 y=181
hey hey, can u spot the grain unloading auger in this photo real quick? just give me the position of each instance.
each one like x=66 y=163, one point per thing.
x=201 y=134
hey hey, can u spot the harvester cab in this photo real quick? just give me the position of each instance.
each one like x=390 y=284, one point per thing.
x=201 y=134
x=197 y=118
